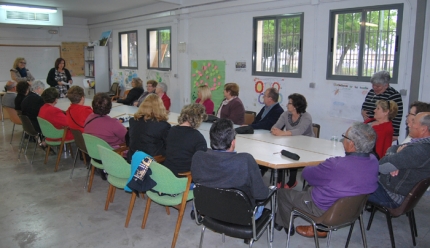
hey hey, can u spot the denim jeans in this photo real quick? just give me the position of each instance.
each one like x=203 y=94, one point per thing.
x=381 y=197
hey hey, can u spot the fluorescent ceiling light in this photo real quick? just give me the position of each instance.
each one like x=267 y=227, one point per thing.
x=29 y=8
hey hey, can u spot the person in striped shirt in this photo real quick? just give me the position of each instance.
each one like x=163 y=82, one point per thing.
x=381 y=90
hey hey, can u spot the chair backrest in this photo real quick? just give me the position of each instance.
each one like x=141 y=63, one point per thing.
x=114 y=164
x=166 y=181
x=412 y=198
x=228 y=205
x=125 y=94
x=48 y=130
x=316 y=128
x=114 y=88
x=343 y=211
x=13 y=115
x=91 y=143
x=249 y=117
x=79 y=140
x=28 y=126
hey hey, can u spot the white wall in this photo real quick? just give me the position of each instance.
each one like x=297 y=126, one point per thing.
x=224 y=32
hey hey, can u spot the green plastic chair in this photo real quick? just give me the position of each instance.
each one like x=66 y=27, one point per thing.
x=118 y=171
x=169 y=184
x=91 y=142
x=49 y=131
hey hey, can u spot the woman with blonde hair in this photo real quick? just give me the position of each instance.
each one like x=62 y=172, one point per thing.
x=384 y=114
x=149 y=128
x=204 y=96
x=19 y=73
x=134 y=93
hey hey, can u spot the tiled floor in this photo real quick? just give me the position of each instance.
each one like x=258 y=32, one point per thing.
x=43 y=208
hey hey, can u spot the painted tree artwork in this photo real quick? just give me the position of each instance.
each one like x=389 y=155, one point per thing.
x=210 y=73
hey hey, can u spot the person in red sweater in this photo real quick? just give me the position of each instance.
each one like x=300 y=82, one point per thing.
x=53 y=114
x=161 y=91
x=382 y=124
x=77 y=113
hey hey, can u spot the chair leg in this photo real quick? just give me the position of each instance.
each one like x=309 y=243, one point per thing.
x=21 y=144
x=26 y=146
x=71 y=149
x=85 y=157
x=34 y=152
x=74 y=163
x=112 y=194
x=329 y=238
x=145 y=215
x=289 y=228
x=59 y=156
x=317 y=244
x=90 y=183
x=130 y=208
x=411 y=224
x=11 y=137
x=47 y=153
x=88 y=176
x=363 y=233
x=415 y=223
x=390 y=229
x=202 y=236
x=111 y=187
x=371 y=218
x=167 y=210
x=349 y=234
x=178 y=224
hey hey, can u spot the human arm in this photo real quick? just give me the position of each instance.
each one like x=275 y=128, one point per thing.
x=259 y=190
x=236 y=111
x=166 y=101
x=321 y=174
x=133 y=95
x=209 y=105
x=69 y=76
x=400 y=157
x=50 y=79
x=15 y=76
x=119 y=130
x=397 y=98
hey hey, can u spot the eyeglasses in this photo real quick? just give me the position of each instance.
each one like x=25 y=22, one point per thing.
x=410 y=114
x=346 y=137
x=23 y=63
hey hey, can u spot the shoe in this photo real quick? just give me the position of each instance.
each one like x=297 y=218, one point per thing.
x=102 y=175
x=308 y=231
x=278 y=227
x=288 y=187
x=193 y=217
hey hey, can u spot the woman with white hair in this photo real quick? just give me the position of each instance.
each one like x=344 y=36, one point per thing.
x=32 y=103
x=161 y=91
x=381 y=90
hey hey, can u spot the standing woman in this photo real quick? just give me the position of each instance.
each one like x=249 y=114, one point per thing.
x=232 y=107
x=149 y=128
x=381 y=122
x=204 y=96
x=296 y=122
x=59 y=77
x=19 y=73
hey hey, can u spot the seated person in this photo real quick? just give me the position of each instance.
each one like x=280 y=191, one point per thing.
x=222 y=167
x=385 y=111
x=204 y=96
x=148 y=128
x=51 y=113
x=22 y=89
x=184 y=140
x=150 y=88
x=161 y=91
x=232 y=107
x=8 y=99
x=270 y=113
x=403 y=166
x=415 y=108
x=101 y=125
x=77 y=113
x=32 y=103
x=335 y=178
x=296 y=122
x=134 y=93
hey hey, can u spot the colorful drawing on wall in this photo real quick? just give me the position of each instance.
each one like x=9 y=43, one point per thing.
x=261 y=84
x=124 y=77
x=346 y=101
x=159 y=76
x=210 y=73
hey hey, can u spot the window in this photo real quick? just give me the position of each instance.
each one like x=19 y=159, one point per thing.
x=159 y=48
x=128 y=50
x=277 y=48
x=364 y=41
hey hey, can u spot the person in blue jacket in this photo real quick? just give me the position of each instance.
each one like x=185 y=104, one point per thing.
x=271 y=111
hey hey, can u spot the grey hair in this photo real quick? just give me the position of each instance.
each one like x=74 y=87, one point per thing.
x=163 y=86
x=10 y=84
x=363 y=136
x=380 y=77
x=38 y=85
x=425 y=120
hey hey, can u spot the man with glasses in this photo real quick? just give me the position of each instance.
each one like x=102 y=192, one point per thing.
x=269 y=114
x=335 y=178
x=8 y=100
x=151 y=85
x=415 y=108
x=403 y=166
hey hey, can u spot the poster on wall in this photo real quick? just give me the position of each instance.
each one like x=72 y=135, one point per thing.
x=210 y=73
x=262 y=84
x=123 y=77
x=346 y=101
x=159 y=76
x=104 y=38
x=240 y=66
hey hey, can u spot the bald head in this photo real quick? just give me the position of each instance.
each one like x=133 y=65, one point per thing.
x=420 y=127
x=11 y=86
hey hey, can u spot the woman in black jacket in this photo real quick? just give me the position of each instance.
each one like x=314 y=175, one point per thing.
x=134 y=93
x=59 y=77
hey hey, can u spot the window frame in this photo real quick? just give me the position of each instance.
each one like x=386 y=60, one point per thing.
x=363 y=10
x=254 y=46
x=128 y=50
x=149 y=44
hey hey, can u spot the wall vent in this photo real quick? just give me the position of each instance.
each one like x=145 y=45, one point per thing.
x=16 y=15
x=30 y=18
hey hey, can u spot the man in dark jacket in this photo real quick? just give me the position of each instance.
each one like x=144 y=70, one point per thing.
x=269 y=114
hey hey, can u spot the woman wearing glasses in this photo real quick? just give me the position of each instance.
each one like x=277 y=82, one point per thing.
x=19 y=73
x=384 y=113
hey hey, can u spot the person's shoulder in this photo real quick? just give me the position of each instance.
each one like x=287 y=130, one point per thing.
x=14 y=70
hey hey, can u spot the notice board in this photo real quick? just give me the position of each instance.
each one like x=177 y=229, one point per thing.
x=73 y=54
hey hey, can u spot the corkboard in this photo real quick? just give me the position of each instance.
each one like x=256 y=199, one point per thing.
x=73 y=54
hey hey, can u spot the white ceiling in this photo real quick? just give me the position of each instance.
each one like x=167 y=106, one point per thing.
x=91 y=8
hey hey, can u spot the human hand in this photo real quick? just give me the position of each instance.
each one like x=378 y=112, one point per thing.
x=395 y=138
x=70 y=82
x=394 y=173
x=60 y=83
x=135 y=104
x=276 y=131
x=364 y=114
x=400 y=148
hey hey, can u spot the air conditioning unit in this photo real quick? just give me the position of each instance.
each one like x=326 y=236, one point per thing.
x=30 y=15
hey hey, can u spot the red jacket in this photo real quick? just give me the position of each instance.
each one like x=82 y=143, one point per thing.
x=56 y=117
x=166 y=101
x=76 y=115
